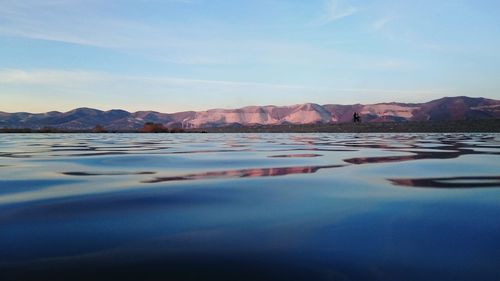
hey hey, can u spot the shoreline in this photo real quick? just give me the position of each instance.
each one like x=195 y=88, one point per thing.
x=468 y=126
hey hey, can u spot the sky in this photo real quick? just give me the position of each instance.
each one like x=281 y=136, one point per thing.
x=176 y=55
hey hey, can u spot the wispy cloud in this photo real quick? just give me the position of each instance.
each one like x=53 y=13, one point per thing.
x=69 y=21
x=80 y=23
x=336 y=10
x=49 y=77
x=81 y=77
x=83 y=23
x=61 y=89
x=64 y=89
x=387 y=64
x=381 y=23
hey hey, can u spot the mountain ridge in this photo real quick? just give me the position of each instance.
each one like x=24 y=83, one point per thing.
x=443 y=109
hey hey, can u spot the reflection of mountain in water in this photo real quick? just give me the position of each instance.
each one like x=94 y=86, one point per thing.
x=281 y=155
x=106 y=173
x=245 y=173
x=448 y=151
x=416 y=148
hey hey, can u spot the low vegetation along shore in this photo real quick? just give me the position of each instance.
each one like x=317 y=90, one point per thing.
x=487 y=126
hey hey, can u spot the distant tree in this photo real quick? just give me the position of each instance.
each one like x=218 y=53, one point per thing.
x=99 y=129
x=18 y=130
x=48 y=130
x=150 y=127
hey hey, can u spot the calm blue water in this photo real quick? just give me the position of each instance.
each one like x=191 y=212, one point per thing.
x=250 y=207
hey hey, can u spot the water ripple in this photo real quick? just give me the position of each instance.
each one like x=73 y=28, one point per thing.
x=249 y=206
x=451 y=182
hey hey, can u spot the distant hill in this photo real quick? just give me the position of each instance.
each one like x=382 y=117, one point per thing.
x=444 y=109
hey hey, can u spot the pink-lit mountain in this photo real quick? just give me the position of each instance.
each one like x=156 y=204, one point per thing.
x=444 y=109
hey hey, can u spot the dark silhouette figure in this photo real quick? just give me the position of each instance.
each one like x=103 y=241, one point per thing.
x=356 y=118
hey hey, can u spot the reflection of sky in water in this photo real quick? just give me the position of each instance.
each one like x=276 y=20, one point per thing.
x=257 y=206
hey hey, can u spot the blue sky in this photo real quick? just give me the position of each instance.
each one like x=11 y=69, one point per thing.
x=176 y=55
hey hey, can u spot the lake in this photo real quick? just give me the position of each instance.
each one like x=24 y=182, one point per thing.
x=250 y=206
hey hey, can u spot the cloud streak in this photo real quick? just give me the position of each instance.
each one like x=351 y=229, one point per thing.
x=381 y=23
x=167 y=94
x=175 y=43
x=336 y=10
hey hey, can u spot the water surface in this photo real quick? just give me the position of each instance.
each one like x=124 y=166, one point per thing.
x=250 y=206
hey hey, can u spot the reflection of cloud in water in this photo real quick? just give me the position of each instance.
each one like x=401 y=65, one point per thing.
x=451 y=182
x=245 y=173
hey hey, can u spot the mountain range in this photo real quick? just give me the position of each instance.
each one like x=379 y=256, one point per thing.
x=444 y=109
